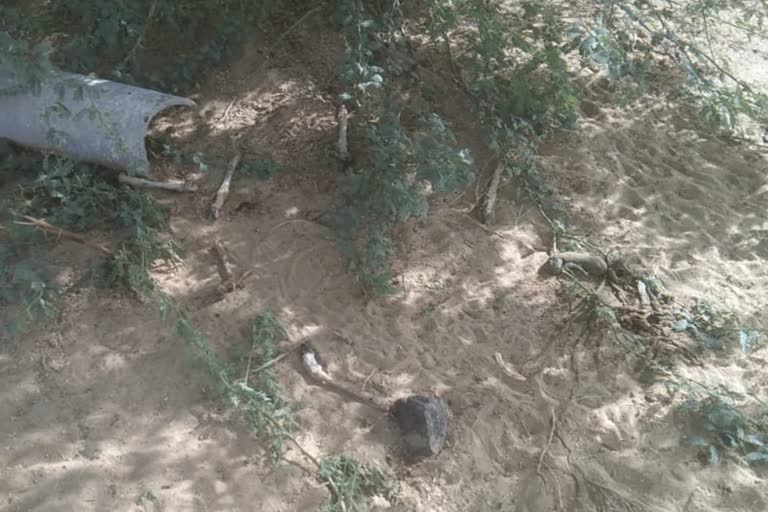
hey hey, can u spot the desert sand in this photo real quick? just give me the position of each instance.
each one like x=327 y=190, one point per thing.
x=103 y=406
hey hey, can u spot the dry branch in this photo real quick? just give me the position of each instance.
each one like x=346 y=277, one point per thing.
x=549 y=442
x=222 y=263
x=491 y=194
x=45 y=227
x=226 y=269
x=223 y=191
x=342 y=145
x=140 y=182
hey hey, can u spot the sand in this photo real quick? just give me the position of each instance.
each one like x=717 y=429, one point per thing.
x=103 y=406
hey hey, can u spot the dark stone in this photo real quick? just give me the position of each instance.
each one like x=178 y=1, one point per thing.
x=422 y=421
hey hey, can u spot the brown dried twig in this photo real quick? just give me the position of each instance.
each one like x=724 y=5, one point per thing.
x=160 y=185
x=223 y=192
x=491 y=194
x=45 y=227
x=342 y=145
x=229 y=282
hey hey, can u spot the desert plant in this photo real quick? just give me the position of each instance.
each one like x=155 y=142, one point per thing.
x=726 y=427
x=388 y=190
x=623 y=36
x=352 y=481
x=712 y=327
x=111 y=36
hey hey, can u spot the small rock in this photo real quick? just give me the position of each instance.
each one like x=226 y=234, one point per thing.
x=422 y=421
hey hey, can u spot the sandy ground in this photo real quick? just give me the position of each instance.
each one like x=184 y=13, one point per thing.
x=104 y=406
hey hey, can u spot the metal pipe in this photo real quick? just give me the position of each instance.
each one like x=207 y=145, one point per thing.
x=84 y=118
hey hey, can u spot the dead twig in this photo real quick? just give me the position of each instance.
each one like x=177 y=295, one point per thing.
x=225 y=267
x=557 y=484
x=223 y=192
x=491 y=194
x=293 y=27
x=222 y=263
x=271 y=362
x=508 y=368
x=342 y=144
x=367 y=379
x=549 y=442
x=140 y=182
x=139 y=40
x=45 y=227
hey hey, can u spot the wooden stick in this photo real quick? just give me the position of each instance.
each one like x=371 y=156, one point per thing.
x=44 y=226
x=140 y=182
x=223 y=192
x=490 y=195
x=549 y=442
x=342 y=145
x=225 y=267
x=269 y=363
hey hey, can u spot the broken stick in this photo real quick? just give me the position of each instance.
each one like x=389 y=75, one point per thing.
x=45 y=227
x=225 y=267
x=222 y=263
x=491 y=194
x=141 y=182
x=221 y=195
x=342 y=146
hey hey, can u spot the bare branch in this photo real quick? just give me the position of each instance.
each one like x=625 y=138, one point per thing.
x=45 y=227
x=223 y=192
x=141 y=182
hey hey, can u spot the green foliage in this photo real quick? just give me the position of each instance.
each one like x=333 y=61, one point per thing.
x=514 y=69
x=266 y=331
x=519 y=75
x=712 y=327
x=29 y=285
x=387 y=191
x=76 y=197
x=79 y=198
x=165 y=147
x=260 y=168
x=359 y=74
x=352 y=481
x=134 y=259
x=111 y=36
x=725 y=427
x=22 y=63
x=263 y=407
x=625 y=35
